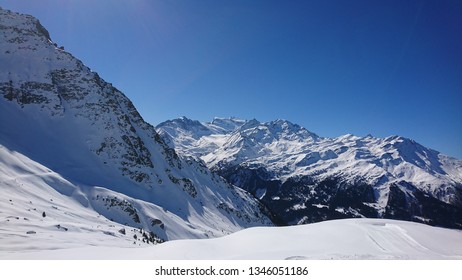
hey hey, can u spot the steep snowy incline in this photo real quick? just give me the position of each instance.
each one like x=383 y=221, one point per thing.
x=58 y=113
x=310 y=178
x=40 y=210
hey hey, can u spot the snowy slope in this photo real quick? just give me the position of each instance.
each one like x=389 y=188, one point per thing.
x=339 y=239
x=77 y=214
x=42 y=210
x=322 y=178
x=69 y=136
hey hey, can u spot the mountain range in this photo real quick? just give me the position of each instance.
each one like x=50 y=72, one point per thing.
x=303 y=178
x=79 y=166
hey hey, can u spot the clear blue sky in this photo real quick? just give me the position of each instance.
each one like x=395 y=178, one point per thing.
x=334 y=67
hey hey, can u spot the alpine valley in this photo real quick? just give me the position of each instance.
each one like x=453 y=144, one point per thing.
x=82 y=175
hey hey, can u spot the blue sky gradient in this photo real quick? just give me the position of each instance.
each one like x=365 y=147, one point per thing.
x=334 y=67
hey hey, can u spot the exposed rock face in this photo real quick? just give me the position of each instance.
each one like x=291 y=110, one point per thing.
x=305 y=178
x=59 y=113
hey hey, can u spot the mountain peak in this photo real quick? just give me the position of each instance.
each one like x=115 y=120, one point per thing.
x=65 y=118
x=319 y=175
x=227 y=125
x=253 y=123
x=186 y=122
x=26 y=23
x=290 y=128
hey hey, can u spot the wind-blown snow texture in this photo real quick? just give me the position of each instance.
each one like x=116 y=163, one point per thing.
x=77 y=158
x=305 y=178
x=339 y=239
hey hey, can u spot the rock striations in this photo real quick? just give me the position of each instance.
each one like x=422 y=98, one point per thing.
x=58 y=115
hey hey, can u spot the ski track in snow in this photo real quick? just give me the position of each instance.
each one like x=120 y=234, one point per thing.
x=338 y=239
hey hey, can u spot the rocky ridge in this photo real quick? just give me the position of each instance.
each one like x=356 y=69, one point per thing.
x=305 y=178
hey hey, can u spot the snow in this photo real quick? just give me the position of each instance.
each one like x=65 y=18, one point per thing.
x=286 y=150
x=81 y=173
x=29 y=188
x=260 y=193
x=337 y=239
x=298 y=206
x=69 y=136
x=320 y=205
x=56 y=215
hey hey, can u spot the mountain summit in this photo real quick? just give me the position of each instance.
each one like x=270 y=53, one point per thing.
x=93 y=150
x=305 y=178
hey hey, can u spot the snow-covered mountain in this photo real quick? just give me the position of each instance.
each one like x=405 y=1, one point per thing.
x=76 y=154
x=305 y=178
